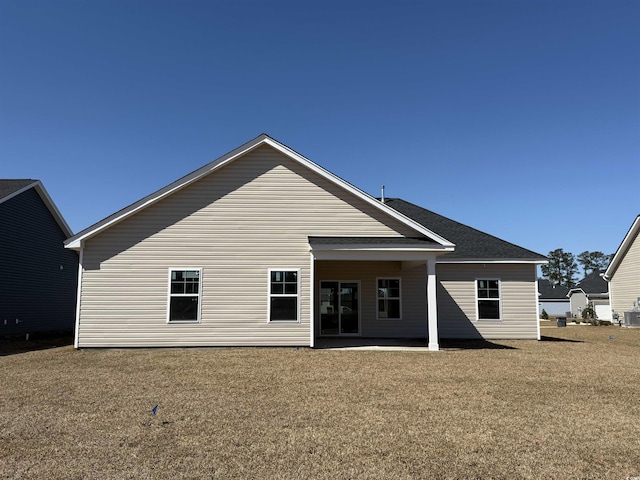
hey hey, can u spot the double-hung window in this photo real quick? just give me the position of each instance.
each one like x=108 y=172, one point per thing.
x=389 y=298
x=488 y=299
x=284 y=295
x=184 y=295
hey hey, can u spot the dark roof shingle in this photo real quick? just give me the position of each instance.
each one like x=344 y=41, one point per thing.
x=7 y=186
x=470 y=243
x=593 y=283
x=551 y=292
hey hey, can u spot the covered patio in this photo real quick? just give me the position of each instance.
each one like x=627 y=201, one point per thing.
x=374 y=291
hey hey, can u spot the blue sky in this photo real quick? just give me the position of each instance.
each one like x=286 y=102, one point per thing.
x=519 y=118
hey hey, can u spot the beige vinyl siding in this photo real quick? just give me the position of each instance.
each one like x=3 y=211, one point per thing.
x=251 y=215
x=413 y=296
x=457 y=301
x=578 y=301
x=625 y=283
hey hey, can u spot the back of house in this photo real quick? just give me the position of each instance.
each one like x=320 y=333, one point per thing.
x=264 y=247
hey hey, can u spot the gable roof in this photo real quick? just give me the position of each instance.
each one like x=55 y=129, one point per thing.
x=10 y=188
x=471 y=244
x=592 y=284
x=623 y=248
x=549 y=291
x=75 y=242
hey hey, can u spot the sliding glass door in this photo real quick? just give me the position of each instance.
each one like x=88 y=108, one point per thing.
x=339 y=308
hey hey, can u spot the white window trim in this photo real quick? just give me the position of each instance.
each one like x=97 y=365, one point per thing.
x=269 y=294
x=499 y=299
x=169 y=295
x=399 y=299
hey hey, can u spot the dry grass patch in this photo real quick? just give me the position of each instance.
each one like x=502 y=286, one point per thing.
x=551 y=409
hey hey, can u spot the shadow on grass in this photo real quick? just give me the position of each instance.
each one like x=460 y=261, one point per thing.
x=14 y=344
x=472 y=344
x=544 y=338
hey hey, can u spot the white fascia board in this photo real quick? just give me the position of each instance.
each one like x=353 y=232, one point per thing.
x=18 y=192
x=380 y=248
x=373 y=255
x=381 y=253
x=46 y=198
x=263 y=139
x=490 y=260
x=622 y=249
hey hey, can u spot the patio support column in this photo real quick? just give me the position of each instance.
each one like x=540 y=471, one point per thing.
x=432 y=305
x=312 y=297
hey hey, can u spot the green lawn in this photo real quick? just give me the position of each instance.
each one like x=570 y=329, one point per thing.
x=566 y=407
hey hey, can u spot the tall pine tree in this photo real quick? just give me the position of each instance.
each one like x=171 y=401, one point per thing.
x=561 y=269
x=592 y=261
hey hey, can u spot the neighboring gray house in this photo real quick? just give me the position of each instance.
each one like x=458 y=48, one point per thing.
x=39 y=276
x=264 y=247
x=592 y=289
x=623 y=273
x=552 y=298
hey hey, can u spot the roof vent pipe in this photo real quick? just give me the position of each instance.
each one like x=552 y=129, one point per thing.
x=382 y=197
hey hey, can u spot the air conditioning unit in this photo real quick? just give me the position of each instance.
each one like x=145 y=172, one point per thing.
x=632 y=319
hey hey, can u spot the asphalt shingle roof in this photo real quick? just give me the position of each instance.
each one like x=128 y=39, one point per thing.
x=593 y=283
x=470 y=243
x=551 y=292
x=7 y=187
